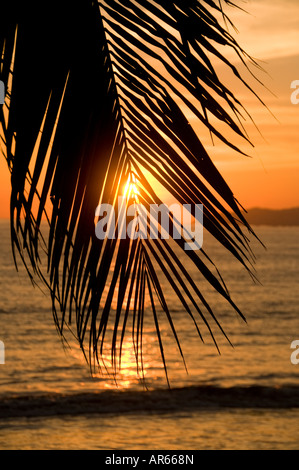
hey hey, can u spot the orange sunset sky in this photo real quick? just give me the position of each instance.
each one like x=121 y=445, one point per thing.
x=269 y=32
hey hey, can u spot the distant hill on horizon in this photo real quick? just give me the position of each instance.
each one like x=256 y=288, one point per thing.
x=275 y=217
x=264 y=216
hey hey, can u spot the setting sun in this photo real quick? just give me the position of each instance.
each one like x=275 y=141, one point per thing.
x=131 y=187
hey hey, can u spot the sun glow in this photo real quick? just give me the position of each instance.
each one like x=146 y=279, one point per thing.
x=127 y=371
x=131 y=187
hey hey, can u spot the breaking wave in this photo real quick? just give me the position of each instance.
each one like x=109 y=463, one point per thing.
x=155 y=401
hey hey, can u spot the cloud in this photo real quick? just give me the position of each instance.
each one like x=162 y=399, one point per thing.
x=270 y=29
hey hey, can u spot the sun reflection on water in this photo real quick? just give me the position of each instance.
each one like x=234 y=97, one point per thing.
x=126 y=371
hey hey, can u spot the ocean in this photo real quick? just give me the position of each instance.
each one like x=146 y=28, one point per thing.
x=245 y=398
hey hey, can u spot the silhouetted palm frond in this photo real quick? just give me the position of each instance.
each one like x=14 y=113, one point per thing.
x=98 y=94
